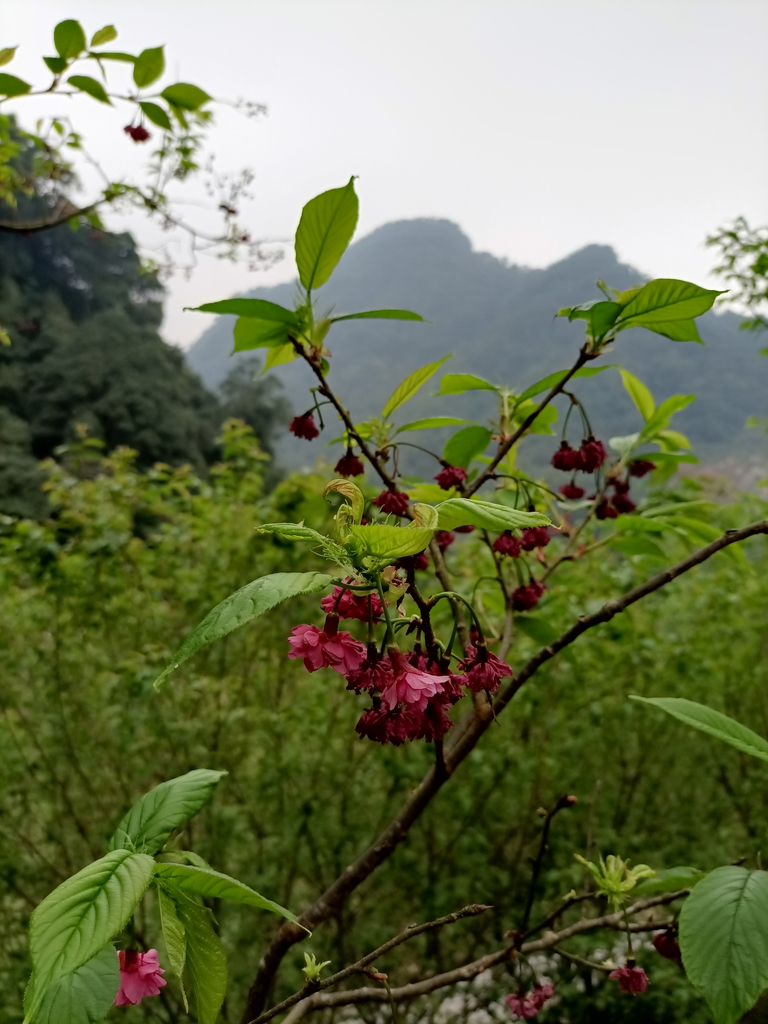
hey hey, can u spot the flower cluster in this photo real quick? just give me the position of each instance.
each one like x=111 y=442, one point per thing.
x=528 y=1005
x=304 y=426
x=616 y=504
x=588 y=458
x=140 y=975
x=631 y=979
x=139 y=134
x=349 y=465
x=451 y=476
x=527 y=597
x=394 y=503
x=411 y=693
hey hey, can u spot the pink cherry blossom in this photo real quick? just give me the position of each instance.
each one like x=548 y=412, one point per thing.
x=483 y=669
x=318 y=649
x=633 y=980
x=352 y=606
x=528 y=1005
x=410 y=685
x=140 y=975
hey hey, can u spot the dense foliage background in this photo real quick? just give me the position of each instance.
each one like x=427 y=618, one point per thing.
x=95 y=599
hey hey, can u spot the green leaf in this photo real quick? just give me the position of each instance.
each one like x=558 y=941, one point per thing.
x=104 y=35
x=465 y=445
x=675 y=330
x=152 y=819
x=705 y=719
x=125 y=58
x=10 y=85
x=174 y=938
x=553 y=379
x=665 y=300
x=637 y=546
x=538 y=629
x=278 y=355
x=432 y=422
x=69 y=39
x=390 y=542
x=90 y=85
x=55 y=64
x=156 y=115
x=325 y=230
x=380 y=314
x=250 y=333
x=206 y=882
x=486 y=515
x=76 y=920
x=661 y=417
x=669 y=880
x=185 y=96
x=639 y=393
x=724 y=940
x=600 y=315
x=543 y=422
x=412 y=383
x=7 y=54
x=245 y=604
x=459 y=383
x=84 y=996
x=149 y=66
x=206 y=961
x=292 y=531
x=258 y=309
x=639 y=524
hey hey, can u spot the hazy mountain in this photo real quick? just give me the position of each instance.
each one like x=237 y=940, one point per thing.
x=497 y=320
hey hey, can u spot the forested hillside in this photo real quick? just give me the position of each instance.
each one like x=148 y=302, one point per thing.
x=83 y=325
x=498 y=321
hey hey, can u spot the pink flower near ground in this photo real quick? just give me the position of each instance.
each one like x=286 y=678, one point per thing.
x=528 y=1005
x=352 y=606
x=410 y=685
x=633 y=980
x=140 y=975
x=318 y=649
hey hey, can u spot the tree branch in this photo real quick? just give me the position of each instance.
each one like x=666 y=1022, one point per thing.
x=61 y=214
x=472 y=970
x=467 y=737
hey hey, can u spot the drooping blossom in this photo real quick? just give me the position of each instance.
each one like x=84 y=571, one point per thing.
x=352 y=606
x=633 y=980
x=641 y=467
x=410 y=685
x=444 y=539
x=606 y=510
x=526 y=598
x=451 y=476
x=623 y=504
x=666 y=945
x=483 y=669
x=349 y=465
x=566 y=458
x=374 y=675
x=528 y=1005
x=572 y=492
x=507 y=544
x=469 y=528
x=534 y=537
x=304 y=426
x=403 y=723
x=592 y=455
x=392 y=502
x=139 y=134
x=140 y=975
x=326 y=648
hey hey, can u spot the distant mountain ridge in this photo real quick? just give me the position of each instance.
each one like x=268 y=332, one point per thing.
x=498 y=321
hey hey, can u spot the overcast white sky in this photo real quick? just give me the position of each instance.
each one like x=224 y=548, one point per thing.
x=539 y=126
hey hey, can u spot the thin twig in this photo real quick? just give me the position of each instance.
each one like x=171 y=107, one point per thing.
x=563 y=802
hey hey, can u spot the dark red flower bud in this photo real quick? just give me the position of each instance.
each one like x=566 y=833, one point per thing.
x=469 y=528
x=304 y=426
x=421 y=561
x=572 y=492
x=349 y=465
x=666 y=945
x=507 y=544
x=444 y=539
x=526 y=598
x=137 y=132
x=451 y=476
x=393 y=503
x=592 y=455
x=534 y=537
x=641 y=467
x=606 y=510
x=619 y=486
x=632 y=980
x=623 y=503
x=566 y=458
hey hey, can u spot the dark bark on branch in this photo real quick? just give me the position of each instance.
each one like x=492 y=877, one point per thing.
x=466 y=740
x=63 y=213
